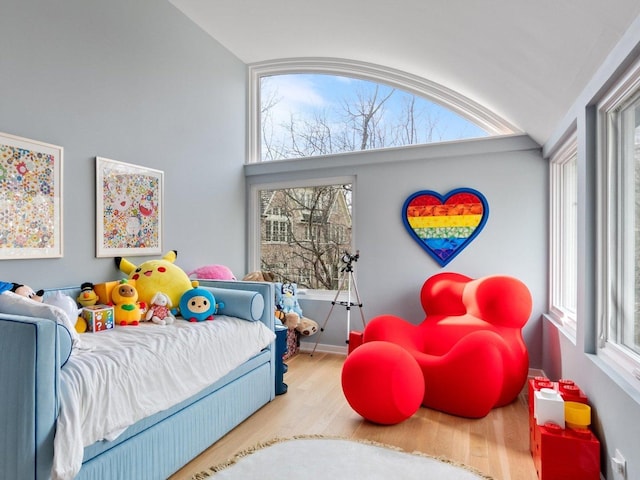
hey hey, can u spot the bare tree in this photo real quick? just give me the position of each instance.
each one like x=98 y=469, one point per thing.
x=269 y=100
x=364 y=117
x=318 y=226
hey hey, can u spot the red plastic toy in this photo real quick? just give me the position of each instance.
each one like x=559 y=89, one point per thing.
x=560 y=454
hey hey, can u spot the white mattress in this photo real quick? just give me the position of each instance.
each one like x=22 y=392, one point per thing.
x=128 y=373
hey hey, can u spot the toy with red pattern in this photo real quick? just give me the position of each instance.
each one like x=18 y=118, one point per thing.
x=160 y=310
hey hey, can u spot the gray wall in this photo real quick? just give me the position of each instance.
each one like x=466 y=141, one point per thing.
x=615 y=402
x=134 y=81
x=511 y=174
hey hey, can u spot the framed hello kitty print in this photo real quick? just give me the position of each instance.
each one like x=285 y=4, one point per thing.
x=129 y=209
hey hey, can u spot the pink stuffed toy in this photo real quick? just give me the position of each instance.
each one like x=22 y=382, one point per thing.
x=213 y=272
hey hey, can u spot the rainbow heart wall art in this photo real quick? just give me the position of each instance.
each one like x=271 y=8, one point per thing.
x=444 y=225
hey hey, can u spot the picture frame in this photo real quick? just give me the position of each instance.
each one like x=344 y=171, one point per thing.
x=30 y=198
x=129 y=209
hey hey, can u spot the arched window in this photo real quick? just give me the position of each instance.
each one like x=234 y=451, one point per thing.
x=324 y=107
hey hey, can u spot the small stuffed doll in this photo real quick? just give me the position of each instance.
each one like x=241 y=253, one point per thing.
x=289 y=299
x=27 y=291
x=198 y=304
x=88 y=295
x=160 y=310
x=287 y=307
x=127 y=310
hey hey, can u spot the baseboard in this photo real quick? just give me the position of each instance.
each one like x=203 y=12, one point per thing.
x=307 y=347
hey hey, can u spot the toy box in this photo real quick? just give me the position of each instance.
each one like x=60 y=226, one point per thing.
x=562 y=453
x=98 y=317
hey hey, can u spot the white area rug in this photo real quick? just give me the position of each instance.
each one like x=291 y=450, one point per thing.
x=336 y=459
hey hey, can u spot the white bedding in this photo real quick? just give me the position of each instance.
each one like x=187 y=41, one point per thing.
x=123 y=375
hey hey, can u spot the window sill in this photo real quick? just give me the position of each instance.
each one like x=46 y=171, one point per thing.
x=321 y=295
x=567 y=332
x=627 y=383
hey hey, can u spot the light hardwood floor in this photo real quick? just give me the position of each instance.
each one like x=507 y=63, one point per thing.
x=497 y=445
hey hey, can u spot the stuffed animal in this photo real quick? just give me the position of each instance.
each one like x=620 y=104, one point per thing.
x=160 y=275
x=213 y=272
x=88 y=295
x=198 y=304
x=289 y=311
x=27 y=291
x=290 y=320
x=259 y=277
x=288 y=300
x=126 y=309
x=307 y=327
x=160 y=310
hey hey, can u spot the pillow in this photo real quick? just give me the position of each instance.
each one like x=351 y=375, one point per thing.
x=243 y=304
x=65 y=302
x=18 y=305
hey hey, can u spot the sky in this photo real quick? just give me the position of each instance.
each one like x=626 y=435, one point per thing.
x=304 y=94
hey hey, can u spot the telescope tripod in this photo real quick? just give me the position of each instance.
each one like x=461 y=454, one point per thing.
x=349 y=280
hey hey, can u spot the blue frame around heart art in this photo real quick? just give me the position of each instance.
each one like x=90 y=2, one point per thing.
x=444 y=225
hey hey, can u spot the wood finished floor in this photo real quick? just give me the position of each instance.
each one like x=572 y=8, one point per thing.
x=497 y=445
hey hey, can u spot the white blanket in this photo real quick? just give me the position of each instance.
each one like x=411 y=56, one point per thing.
x=128 y=373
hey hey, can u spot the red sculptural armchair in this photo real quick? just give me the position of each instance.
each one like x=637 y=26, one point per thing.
x=469 y=347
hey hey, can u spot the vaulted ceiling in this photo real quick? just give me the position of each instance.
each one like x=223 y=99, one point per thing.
x=525 y=60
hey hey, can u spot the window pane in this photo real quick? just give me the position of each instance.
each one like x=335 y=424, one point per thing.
x=304 y=233
x=318 y=114
x=631 y=335
x=570 y=235
x=564 y=238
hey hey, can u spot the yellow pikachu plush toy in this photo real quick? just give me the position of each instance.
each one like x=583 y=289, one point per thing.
x=161 y=275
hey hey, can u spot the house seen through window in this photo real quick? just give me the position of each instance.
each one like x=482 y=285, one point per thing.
x=304 y=232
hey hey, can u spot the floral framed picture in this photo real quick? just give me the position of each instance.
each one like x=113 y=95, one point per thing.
x=129 y=209
x=30 y=198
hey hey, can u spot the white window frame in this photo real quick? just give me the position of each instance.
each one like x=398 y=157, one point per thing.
x=563 y=256
x=253 y=229
x=474 y=112
x=614 y=282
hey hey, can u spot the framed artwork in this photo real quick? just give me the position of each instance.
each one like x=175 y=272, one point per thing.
x=30 y=198
x=129 y=209
x=444 y=225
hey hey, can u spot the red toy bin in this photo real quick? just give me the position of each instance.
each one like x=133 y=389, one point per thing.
x=560 y=454
x=570 y=391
